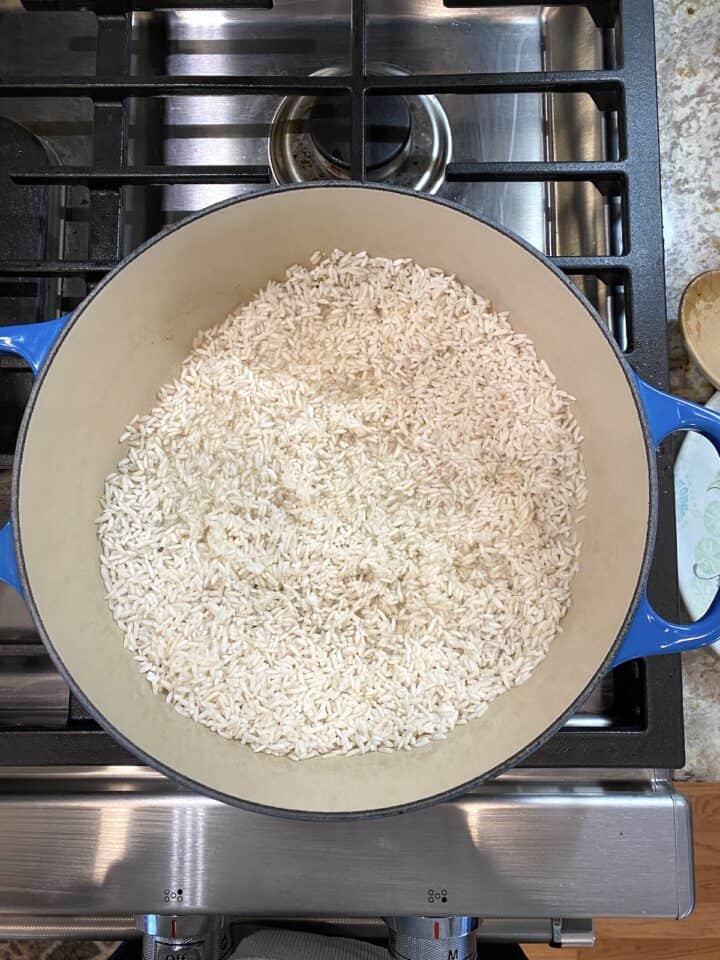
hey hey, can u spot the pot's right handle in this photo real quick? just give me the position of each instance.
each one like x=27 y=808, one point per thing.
x=32 y=342
x=649 y=633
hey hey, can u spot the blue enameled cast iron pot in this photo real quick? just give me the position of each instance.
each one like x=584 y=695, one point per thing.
x=103 y=364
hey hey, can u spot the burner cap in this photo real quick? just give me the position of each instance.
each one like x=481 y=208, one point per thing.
x=387 y=127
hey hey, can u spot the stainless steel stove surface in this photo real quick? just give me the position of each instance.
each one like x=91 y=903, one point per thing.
x=543 y=118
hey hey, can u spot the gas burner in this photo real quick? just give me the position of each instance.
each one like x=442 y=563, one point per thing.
x=388 y=125
x=408 y=139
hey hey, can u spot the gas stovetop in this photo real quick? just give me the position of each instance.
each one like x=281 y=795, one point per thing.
x=115 y=123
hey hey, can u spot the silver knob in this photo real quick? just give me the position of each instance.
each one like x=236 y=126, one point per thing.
x=432 y=938
x=182 y=937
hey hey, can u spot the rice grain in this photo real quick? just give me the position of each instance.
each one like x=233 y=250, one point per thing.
x=351 y=521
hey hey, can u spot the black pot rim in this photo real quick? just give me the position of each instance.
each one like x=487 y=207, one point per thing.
x=445 y=795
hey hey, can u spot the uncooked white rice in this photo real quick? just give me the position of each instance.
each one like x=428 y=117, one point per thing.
x=351 y=522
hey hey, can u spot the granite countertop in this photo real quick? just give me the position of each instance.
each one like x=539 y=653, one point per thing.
x=688 y=67
x=687 y=39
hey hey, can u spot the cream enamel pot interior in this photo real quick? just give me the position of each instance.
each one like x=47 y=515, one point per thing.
x=103 y=364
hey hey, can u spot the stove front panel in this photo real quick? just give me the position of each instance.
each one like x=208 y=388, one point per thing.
x=558 y=847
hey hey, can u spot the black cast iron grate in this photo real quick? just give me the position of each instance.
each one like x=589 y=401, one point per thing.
x=650 y=732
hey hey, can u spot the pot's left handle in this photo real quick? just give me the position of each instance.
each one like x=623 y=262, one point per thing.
x=32 y=342
x=649 y=633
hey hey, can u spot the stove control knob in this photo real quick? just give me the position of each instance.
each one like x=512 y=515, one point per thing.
x=432 y=938
x=190 y=937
